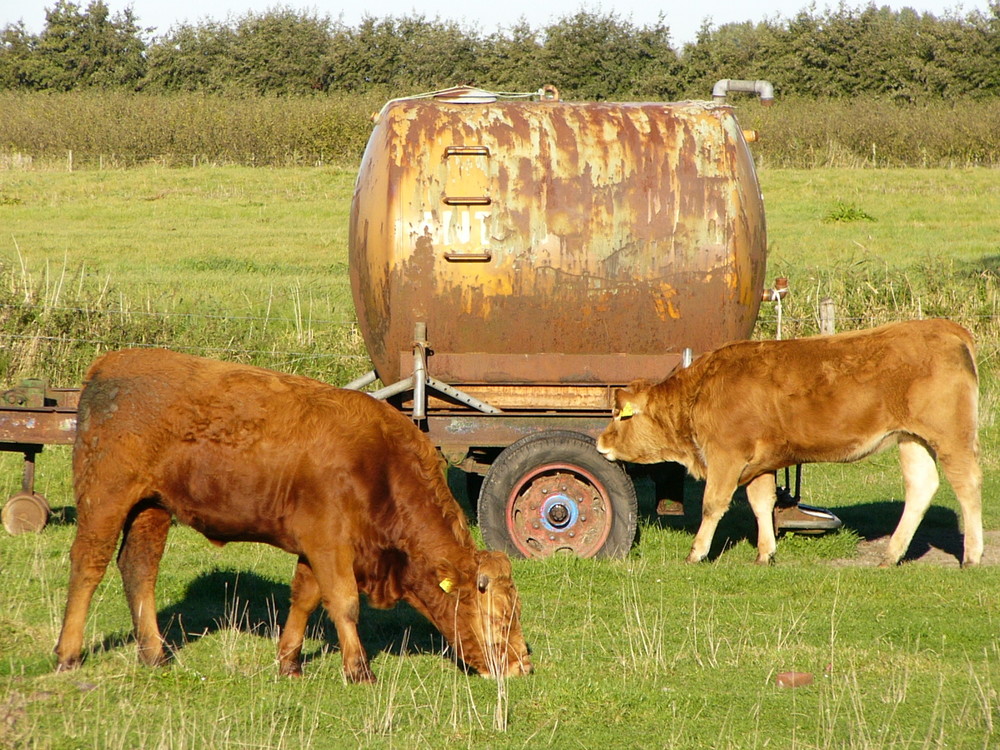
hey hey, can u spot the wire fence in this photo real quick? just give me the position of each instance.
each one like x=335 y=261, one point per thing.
x=189 y=316
x=204 y=349
x=330 y=347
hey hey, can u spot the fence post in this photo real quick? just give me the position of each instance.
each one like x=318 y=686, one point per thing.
x=827 y=324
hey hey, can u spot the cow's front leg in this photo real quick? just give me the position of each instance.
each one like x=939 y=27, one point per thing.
x=719 y=488
x=334 y=570
x=761 y=494
x=305 y=599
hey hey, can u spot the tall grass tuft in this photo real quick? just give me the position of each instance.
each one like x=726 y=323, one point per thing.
x=56 y=323
x=868 y=293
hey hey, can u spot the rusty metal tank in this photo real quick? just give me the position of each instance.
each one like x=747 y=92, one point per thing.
x=553 y=242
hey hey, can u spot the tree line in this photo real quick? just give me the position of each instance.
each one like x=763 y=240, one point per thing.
x=900 y=55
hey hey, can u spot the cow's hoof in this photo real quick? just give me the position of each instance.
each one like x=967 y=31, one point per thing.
x=152 y=658
x=290 y=669
x=357 y=670
x=365 y=676
x=68 y=665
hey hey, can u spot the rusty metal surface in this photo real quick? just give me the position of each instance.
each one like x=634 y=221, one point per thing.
x=454 y=431
x=518 y=229
x=40 y=427
x=34 y=414
x=545 y=368
x=516 y=397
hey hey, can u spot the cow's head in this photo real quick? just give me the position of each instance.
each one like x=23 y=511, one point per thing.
x=634 y=433
x=482 y=616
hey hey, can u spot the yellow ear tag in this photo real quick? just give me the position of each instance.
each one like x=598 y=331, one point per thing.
x=447 y=585
x=627 y=411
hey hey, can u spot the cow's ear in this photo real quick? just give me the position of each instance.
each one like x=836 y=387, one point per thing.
x=448 y=577
x=626 y=405
x=621 y=395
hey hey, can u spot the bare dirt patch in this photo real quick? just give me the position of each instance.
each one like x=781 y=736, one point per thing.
x=935 y=547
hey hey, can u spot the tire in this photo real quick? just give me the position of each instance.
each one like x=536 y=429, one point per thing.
x=553 y=492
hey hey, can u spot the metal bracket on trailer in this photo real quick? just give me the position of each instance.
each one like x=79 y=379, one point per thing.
x=420 y=381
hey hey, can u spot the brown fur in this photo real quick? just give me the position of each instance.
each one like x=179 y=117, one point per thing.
x=742 y=412
x=343 y=481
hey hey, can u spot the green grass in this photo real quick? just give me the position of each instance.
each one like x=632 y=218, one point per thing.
x=237 y=240
x=642 y=652
x=920 y=216
x=237 y=262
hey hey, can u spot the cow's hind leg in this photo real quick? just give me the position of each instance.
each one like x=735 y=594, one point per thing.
x=99 y=523
x=761 y=494
x=719 y=488
x=305 y=599
x=920 y=482
x=143 y=540
x=966 y=480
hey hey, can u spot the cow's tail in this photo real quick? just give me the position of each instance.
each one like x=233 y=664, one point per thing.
x=970 y=354
x=967 y=355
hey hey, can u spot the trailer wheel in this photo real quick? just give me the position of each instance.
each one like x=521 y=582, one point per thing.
x=25 y=512
x=553 y=492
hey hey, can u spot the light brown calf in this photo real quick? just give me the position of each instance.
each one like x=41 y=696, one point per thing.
x=741 y=412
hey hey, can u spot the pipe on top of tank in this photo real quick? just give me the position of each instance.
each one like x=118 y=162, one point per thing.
x=763 y=89
x=473 y=95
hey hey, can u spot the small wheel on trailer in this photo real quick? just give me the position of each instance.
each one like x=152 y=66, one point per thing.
x=25 y=512
x=553 y=492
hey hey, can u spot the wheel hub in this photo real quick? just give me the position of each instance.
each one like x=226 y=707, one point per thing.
x=560 y=511
x=559 y=508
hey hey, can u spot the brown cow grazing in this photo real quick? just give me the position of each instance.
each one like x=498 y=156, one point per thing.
x=344 y=482
x=743 y=411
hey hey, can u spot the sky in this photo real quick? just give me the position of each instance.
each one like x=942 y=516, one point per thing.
x=683 y=17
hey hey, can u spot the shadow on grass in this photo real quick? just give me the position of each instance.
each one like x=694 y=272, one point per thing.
x=939 y=529
x=64 y=516
x=248 y=603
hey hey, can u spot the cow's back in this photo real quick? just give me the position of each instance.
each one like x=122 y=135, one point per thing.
x=237 y=452
x=832 y=392
x=158 y=395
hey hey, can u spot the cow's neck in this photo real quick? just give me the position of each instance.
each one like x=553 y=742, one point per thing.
x=669 y=403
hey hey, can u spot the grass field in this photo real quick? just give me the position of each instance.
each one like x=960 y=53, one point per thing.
x=641 y=652
x=240 y=241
